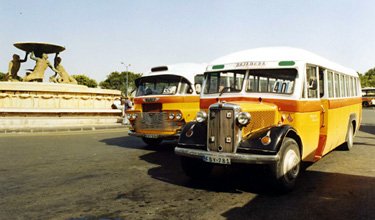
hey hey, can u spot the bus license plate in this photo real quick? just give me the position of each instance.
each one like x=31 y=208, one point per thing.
x=216 y=159
x=151 y=136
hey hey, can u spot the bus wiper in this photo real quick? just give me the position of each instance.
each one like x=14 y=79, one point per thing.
x=225 y=89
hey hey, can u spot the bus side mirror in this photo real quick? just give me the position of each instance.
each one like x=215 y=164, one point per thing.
x=198 y=88
x=313 y=84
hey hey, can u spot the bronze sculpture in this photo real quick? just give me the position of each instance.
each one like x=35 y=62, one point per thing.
x=14 y=67
x=64 y=77
x=40 y=67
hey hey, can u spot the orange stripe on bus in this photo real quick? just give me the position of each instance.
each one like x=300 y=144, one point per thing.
x=337 y=103
x=282 y=104
x=169 y=99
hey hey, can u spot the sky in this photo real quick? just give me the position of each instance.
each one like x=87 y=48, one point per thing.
x=101 y=35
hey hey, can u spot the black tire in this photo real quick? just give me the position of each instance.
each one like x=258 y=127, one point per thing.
x=348 y=145
x=287 y=169
x=152 y=141
x=196 y=169
x=365 y=104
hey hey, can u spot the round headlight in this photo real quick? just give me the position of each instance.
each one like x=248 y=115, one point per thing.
x=243 y=118
x=171 y=116
x=134 y=116
x=201 y=116
x=129 y=116
x=178 y=116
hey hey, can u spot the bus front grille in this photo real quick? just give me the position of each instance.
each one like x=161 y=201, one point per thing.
x=222 y=129
x=259 y=119
x=155 y=121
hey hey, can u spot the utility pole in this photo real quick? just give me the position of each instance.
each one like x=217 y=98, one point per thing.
x=127 y=77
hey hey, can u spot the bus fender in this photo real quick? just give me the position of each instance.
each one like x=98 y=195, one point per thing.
x=193 y=134
x=253 y=142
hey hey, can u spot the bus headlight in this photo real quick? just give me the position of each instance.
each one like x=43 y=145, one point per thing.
x=134 y=116
x=128 y=116
x=178 y=116
x=243 y=118
x=171 y=116
x=201 y=116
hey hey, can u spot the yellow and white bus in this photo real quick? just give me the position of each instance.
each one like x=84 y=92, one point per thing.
x=368 y=96
x=278 y=106
x=166 y=99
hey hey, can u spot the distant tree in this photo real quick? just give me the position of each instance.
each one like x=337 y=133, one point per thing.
x=117 y=80
x=85 y=80
x=2 y=76
x=368 y=79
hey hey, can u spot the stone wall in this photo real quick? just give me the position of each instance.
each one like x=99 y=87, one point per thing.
x=38 y=105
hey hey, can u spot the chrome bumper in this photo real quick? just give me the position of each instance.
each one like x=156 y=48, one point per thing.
x=164 y=136
x=237 y=158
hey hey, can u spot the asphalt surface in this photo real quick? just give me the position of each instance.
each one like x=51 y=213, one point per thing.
x=84 y=175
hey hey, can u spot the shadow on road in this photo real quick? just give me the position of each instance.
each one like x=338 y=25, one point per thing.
x=318 y=196
x=370 y=129
x=137 y=143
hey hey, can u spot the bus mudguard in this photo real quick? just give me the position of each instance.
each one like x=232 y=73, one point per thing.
x=267 y=140
x=193 y=135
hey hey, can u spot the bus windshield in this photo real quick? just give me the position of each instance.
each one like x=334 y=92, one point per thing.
x=230 y=81
x=162 y=85
x=271 y=80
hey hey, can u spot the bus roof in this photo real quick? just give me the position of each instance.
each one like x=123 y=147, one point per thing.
x=272 y=54
x=187 y=70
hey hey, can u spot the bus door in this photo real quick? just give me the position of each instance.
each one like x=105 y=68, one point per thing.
x=324 y=105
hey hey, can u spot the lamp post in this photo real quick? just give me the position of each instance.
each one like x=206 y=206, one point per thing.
x=127 y=78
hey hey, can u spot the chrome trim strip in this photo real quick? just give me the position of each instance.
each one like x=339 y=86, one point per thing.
x=237 y=158
x=132 y=133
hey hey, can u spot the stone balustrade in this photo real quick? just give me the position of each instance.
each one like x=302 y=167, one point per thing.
x=41 y=105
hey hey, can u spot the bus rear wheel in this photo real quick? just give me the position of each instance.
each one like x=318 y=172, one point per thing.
x=365 y=104
x=152 y=141
x=287 y=169
x=196 y=169
x=349 y=137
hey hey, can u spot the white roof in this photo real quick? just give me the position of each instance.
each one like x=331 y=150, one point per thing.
x=187 y=70
x=273 y=54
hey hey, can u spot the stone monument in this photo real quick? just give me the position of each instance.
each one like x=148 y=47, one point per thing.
x=34 y=104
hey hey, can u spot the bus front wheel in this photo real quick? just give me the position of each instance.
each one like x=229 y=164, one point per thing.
x=365 y=104
x=287 y=169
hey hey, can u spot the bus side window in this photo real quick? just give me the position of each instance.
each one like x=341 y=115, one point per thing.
x=321 y=81
x=198 y=81
x=312 y=82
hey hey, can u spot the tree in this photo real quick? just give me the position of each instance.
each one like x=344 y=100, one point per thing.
x=117 y=80
x=85 y=80
x=2 y=76
x=368 y=79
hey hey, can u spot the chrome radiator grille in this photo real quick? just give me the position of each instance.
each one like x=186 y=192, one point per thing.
x=154 y=121
x=222 y=129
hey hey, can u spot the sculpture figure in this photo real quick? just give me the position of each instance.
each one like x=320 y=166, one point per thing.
x=63 y=75
x=14 y=67
x=40 y=67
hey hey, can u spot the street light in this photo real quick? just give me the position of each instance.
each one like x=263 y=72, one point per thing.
x=127 y=78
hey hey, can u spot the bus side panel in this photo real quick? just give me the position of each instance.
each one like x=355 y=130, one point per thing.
x=307 y=125
x=338 y=118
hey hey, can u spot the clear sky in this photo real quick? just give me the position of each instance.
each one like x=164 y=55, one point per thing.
x=99 y=35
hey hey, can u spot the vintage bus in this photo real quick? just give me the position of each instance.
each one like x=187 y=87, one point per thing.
x=277 y=106
x=166 y=99
x=368 y=97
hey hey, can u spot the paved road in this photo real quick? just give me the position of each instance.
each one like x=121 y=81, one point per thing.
x=108 y=175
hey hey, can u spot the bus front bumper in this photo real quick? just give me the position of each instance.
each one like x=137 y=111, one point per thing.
x=162 y=136
x=234 y=157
